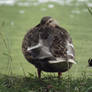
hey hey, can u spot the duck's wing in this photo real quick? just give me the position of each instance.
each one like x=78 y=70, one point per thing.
x=62 y=47
x=39 y=51
x=30 y=39
x=35 y=45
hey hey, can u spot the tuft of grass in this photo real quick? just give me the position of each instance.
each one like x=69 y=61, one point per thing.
x=47 y=84
x=7 y=52
x=90 y=10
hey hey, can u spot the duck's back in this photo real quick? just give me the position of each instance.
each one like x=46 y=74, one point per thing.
x=58 y=42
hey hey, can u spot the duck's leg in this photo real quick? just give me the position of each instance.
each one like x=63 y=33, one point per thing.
x=39 y=73
x=59 y=74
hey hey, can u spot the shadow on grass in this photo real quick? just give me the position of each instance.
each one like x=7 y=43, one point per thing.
x=46 y=84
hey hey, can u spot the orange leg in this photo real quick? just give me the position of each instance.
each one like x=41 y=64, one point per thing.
x=39 y=73
x=59 y=74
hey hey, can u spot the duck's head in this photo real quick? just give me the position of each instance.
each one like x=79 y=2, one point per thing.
x=47 y=20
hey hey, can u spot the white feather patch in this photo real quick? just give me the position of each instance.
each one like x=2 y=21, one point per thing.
x=58 y=60
x=71 y=61
x=69 y=47
x=70 y=44
x=70 y=54
x=34 y=47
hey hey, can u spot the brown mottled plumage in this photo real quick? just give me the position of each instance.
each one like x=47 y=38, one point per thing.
x=49 y=47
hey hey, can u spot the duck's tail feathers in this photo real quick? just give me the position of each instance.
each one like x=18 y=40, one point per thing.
x=60 y=60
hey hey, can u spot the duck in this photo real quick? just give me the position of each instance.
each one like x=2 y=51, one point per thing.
x=49 y=47
x=90 y=62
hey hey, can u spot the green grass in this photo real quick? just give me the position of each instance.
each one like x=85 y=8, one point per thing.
x=49 y=83
x=12 y=61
